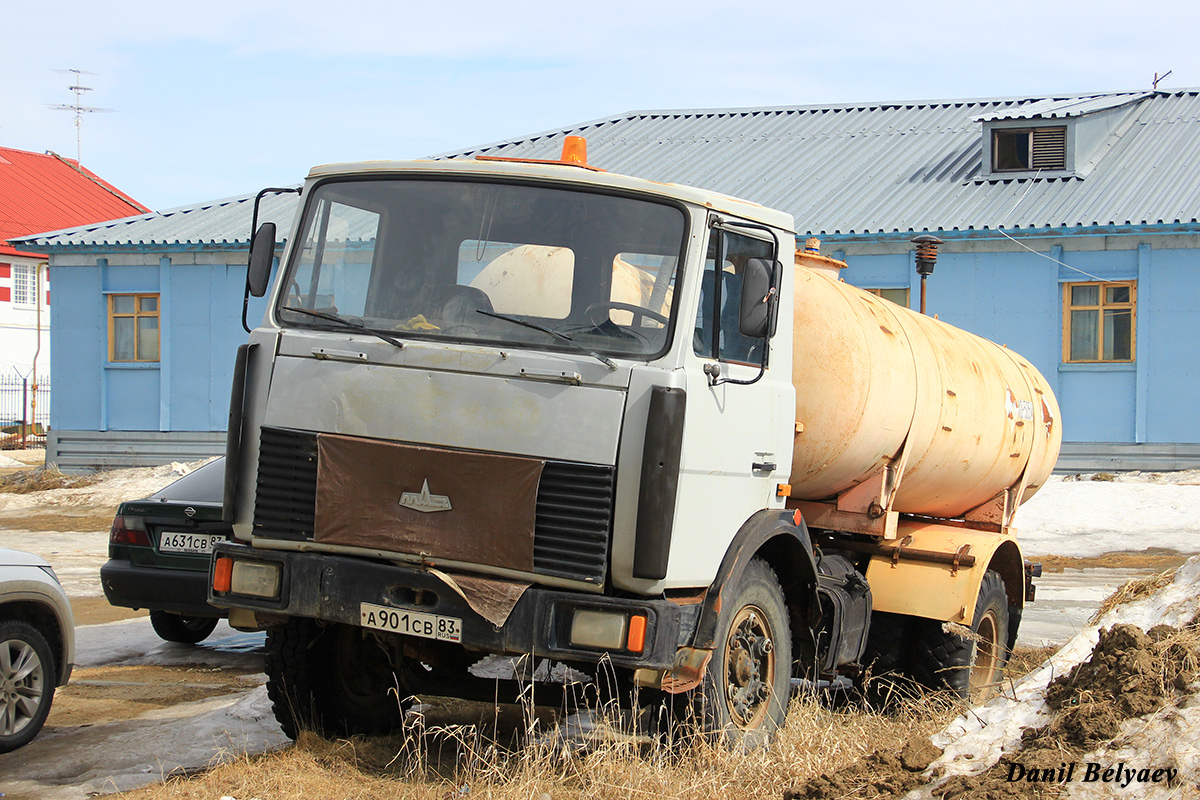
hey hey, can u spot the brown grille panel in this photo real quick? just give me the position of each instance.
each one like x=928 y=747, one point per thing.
x=573 y=516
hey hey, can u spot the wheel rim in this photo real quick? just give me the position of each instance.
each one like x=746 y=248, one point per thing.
x=749 y=668
x=987 y=653
x=195 y=624
x=367 y=668
x=22 y=681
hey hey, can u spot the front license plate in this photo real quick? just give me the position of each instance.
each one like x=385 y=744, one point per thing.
x=410 y=623
x=180 y=542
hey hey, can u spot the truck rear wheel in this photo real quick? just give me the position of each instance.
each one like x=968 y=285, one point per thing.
x=884 y=679
x=335 y=680
x=969 y=667
x=747 y=683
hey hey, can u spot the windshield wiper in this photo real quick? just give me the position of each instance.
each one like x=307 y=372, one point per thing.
x=347 y=324
x=518 y=321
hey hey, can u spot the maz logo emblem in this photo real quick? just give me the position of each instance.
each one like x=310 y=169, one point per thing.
x=424 y=501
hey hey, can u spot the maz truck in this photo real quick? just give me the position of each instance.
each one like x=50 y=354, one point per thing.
x=506 y=407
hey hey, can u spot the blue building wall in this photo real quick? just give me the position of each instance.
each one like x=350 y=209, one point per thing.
x=200 y=329
x=1015 y=298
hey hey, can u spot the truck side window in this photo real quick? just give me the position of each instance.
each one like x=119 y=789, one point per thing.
x=720 y=293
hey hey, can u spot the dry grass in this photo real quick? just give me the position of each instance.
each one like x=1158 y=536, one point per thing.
x=38 y=480
x=1026 y=659
x=816 y=740
x=1133 y=590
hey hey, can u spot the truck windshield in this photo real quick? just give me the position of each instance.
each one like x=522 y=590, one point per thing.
x=452 y=259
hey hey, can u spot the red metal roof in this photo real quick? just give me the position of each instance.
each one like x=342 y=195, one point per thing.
x=40 y=193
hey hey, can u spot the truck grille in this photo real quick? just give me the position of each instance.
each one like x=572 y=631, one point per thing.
x=572 y=522
x=573 y=518
x=285 y=506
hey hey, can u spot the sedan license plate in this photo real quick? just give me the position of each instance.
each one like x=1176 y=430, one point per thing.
x=410 y=623
x=180 y=542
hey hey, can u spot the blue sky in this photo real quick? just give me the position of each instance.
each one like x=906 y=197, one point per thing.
x=222 y=98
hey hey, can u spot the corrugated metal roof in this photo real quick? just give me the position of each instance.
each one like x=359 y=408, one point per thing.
x=214 y=223
x=1057 y=108
x=39 y=192
x=898 y=167
x=848 y=169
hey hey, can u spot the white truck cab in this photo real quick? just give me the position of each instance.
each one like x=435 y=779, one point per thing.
x=526 y=408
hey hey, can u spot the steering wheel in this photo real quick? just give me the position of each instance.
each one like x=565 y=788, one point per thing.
x=638 y=313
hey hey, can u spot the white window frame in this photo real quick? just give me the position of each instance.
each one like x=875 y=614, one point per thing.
x=24 y=285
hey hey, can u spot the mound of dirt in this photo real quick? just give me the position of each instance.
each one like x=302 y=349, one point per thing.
x=1130 y=674
x=881 y=774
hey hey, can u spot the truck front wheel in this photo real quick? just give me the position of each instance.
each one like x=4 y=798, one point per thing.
x=747 y=684
x=335 y=680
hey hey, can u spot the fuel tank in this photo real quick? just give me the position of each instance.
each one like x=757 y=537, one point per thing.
x=964 y=419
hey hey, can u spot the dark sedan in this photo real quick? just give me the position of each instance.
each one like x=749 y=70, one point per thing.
x=158 y=553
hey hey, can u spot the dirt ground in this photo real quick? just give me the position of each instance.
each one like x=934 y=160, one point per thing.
x=100 y=695
x=1155 y=559
x=51 y=519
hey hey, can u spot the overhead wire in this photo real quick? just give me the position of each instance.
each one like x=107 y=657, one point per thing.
x=1021 y=244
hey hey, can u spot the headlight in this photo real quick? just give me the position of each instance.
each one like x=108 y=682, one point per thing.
x=255 y=578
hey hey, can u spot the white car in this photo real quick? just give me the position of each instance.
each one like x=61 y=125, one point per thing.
x=37 y=645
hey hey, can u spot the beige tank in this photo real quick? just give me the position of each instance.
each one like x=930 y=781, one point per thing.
x=961 y=419
x=536 y=280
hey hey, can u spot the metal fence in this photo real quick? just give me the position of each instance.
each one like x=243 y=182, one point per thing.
x=24 y=412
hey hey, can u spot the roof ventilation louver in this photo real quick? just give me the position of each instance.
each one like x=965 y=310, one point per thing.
x=1049 y=148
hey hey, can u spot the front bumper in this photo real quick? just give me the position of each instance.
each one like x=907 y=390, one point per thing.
x=176 y=590
x=332 y=588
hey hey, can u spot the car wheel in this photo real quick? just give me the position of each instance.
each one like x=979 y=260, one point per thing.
x=181 y=628
x=747 y=684
x=27 y=680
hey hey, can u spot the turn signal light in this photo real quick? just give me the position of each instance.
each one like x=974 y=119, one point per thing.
x=637 y=634
x=222 y=575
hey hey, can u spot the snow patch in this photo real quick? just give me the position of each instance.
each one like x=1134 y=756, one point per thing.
x=976 y=740
x=1134 y=511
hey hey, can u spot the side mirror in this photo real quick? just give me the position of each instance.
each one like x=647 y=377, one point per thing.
x=758 y=299
x=262 y=253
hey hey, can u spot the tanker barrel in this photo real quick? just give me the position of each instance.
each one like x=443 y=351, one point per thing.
x=961 y=419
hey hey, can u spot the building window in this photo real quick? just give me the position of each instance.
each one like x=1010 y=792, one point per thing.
x=133 y=327
x=24 y=285
x=897 y=296
x=1027 y=149
x=1099 y=320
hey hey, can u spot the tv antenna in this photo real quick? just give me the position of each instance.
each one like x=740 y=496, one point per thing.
x=78 y=107
x=1158 y=78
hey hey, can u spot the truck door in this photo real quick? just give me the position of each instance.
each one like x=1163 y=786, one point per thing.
x=735 y=445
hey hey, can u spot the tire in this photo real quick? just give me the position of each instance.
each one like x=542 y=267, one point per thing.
x=943 y=660
x=884 y=679
x=181 y=628
x=748 y=681
x=334 y=680
x=27 y=681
